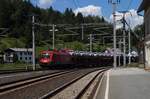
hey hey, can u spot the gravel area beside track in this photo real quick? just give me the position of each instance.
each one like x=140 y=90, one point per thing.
x=92 y=90
x=73 y=91
x=38 y=89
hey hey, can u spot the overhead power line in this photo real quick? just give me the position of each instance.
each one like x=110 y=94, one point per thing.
x=130 y=2
x=75 y=3
x=4 y=30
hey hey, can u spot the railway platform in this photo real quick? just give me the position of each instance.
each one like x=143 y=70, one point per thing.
x=125 y=83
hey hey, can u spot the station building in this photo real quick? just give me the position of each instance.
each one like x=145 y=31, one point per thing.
x=145 y=6
x=18 y=54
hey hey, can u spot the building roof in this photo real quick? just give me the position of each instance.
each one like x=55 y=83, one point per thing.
x=20 y=49
x=145 y=4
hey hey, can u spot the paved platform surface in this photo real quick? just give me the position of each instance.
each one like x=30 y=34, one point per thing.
x=125 y=83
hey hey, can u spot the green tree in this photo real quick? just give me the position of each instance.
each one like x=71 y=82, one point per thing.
x=69 y=16
x=80 y=18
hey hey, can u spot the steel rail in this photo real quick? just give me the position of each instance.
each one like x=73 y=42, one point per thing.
x=80 y=94
x=61 y=88
x=15 y=85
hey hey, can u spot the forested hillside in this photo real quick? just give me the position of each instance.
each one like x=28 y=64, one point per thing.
x=16 y=16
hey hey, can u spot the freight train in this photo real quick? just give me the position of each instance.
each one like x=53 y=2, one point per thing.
x=69 y=58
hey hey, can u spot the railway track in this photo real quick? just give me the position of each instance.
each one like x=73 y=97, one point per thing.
x=79 y=88
x=42 y=87
x=16 y=77
x=10 y=86
x=88 y=92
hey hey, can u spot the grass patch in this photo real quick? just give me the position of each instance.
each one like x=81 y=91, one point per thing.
x=10 y=42
x=136 y=65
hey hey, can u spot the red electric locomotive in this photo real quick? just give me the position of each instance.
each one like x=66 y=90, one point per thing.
x=55 y=58
x=62 y=58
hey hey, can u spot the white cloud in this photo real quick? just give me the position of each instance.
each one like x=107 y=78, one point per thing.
x=45 y=3
x=131 y=17
x=89 y=10
x=135 y=19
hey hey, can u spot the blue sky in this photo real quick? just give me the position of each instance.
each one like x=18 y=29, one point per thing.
x=94 y=7
x=106 y=8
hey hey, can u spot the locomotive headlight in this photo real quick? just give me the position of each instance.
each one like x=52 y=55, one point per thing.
x=47 y=54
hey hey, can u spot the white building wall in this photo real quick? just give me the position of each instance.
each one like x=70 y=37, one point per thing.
x=147 y=38
x=8 y=57
x=24 y=56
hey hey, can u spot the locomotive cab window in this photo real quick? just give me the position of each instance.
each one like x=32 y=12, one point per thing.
x=45 y=55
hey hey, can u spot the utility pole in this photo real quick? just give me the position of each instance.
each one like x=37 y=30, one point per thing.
x=53 y=36
x=129 y=45
x=82 y=32
x=53 y=30
x=33 y=43
x=124 y=37
x=90 y=42
x=124 y=40
x=129 y=41
x=114 y=3
x=120 y=53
